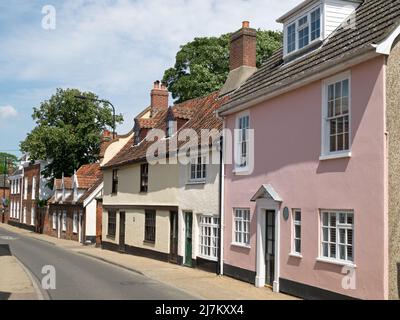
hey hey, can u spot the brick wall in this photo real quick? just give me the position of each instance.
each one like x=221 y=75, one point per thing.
x=243 y=48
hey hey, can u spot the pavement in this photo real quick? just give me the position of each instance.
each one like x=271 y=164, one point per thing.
x=17 y=285
x=190 y=283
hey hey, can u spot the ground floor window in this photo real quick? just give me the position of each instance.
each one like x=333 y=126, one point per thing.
x=54 y=219
x=112 y=222
x=24 y=216
x=209 y=236
x=296 y=232
x=337 y=235
x=33 y=216
x=150 y=226
x=64 y=221
x=242 y=226
x=75 y=223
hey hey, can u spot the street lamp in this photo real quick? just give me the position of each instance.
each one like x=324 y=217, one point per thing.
x=102 y=101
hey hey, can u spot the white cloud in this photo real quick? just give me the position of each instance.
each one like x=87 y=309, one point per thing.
x=117 y=48
x=7 y=112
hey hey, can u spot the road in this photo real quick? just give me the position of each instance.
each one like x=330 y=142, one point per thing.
x=82 y=278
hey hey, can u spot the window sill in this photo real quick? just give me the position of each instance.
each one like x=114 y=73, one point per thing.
x=304 y=49
x=241 y=171
x=240 y=245
x=149 y=242
x=296 y=255
x=332 y=156
x=111 y=237
x=337 y=262
x=194 y=182
x=208 y=258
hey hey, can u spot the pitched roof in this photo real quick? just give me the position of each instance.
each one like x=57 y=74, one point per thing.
x=203 y=116
x=89 y=191
x=375 y=20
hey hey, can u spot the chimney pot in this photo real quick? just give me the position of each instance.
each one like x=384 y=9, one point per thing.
x=159 y=97
x=246 y=24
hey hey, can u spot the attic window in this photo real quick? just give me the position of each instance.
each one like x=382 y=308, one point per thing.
x=303 y=31
x=170 y=128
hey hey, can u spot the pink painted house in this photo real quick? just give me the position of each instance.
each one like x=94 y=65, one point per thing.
x=311 y=205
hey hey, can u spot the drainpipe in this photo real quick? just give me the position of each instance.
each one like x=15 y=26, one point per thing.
x=221 y=204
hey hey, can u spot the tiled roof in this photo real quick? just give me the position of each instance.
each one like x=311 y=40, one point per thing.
x=91 y=190
x=67 y=183
x=375 y=20
x=202 y=117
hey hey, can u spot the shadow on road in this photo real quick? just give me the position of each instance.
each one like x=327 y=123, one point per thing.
x=4 y=250
x=4 y=295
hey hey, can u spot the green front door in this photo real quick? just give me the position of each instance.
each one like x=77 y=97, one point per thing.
x=188 y=245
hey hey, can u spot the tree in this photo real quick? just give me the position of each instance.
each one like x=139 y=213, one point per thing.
x=7 y=162
x=68 y=131
x=202 y=66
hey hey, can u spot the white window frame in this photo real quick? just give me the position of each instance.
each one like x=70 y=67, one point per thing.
x=209 y=241
x=241 y=219
x=337 y=243
x=26 y=181
x=238 y=141
x=194 y=162
x=33 y=216
x=64 y=221
x=326 y=154
x=171 y=128
x=296 y=22
x=295 y=223
x=34 y=188
x=75 y=223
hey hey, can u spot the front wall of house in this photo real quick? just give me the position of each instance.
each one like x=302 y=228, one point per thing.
x=29 y=203
x=199 y=199
x=393 y=124
x=68 y=234
x=163 y=186
x=287 y=151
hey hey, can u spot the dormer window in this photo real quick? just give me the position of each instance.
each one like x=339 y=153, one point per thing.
x=313 y=21
x=170 y=128
x=303 y=31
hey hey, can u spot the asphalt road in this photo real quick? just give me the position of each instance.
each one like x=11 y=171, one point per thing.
x=82 y=278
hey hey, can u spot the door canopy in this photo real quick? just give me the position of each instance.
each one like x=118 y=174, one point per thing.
x=266 y=192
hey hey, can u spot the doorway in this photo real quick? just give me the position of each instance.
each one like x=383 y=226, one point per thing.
x=173 y=256
x=270 y=248
x=122 y=247
x=188 y=239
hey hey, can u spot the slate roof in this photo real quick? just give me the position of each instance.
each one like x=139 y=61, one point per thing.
x=375 y=20
x=202 y=112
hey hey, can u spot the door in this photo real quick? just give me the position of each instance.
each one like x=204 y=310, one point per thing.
x=173 y=256
x=188 y=239
x=122 y=232
x=270 y=249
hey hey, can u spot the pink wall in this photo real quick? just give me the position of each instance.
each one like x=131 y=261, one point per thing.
x=287 y=151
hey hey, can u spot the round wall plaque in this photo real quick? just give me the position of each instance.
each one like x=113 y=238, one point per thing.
x=286 y=214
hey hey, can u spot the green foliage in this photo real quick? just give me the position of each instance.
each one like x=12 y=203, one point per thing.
x=68 y=131
x=202 y=65
x=7 y=161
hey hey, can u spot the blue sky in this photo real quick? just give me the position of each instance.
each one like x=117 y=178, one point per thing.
x=114 y=48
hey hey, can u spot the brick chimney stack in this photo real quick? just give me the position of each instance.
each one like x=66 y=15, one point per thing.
x=243 y=47
x=159 y=97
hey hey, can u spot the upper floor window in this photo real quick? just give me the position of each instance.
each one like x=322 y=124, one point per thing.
x=144 y=177
x=337 y=116
x=243 y=143
x=26 y=189
x=170 y=128
x=198 y=169
x=115 y=181
x=303 y=31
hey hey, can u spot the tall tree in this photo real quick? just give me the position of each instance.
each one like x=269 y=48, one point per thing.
x=202 y=65
x=7 y=162
x=68 y=131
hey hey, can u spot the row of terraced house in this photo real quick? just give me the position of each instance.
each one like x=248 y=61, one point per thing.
x=303 y=197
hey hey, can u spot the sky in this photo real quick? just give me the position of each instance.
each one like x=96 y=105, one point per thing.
x=114 y=48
